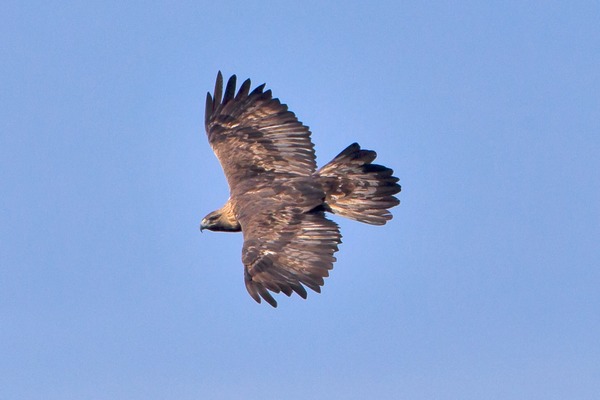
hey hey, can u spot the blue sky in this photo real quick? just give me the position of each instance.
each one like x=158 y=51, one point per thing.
x=484 y=285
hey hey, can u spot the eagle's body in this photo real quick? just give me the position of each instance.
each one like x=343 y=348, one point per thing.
x=278 y=198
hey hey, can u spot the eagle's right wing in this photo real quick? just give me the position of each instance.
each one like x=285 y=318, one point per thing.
x=285 y=250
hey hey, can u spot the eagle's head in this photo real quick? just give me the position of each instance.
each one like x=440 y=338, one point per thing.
x=220 y=221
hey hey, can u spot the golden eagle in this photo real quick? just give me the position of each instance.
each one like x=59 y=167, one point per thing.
x=278 y=198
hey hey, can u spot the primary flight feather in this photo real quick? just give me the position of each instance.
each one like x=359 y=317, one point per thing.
x=278 y=198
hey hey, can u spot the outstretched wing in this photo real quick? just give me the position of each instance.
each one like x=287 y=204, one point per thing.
x=287 y=250
x=253 y=133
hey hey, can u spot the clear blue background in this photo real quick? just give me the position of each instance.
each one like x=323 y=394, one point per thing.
x=485 y=285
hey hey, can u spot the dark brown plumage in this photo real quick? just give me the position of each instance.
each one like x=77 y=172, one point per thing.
x=278 y=199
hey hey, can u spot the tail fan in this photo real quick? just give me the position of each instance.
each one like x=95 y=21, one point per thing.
x=357 y=189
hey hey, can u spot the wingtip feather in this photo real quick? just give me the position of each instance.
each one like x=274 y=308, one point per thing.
x=208 y=108
x=259 y=89
x=218 y=89
x=244 y=90
x=230 y=89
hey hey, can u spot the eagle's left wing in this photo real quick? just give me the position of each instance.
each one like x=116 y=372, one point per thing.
x=253 y=133
x=286 y=249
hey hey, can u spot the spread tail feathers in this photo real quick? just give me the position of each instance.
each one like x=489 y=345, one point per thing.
x=357 y=189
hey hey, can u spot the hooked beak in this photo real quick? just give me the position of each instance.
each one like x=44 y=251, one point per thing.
x=202 y=225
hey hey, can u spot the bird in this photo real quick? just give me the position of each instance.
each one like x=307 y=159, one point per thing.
x=278 y=198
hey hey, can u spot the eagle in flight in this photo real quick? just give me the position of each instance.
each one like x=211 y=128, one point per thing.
x=278 y=198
